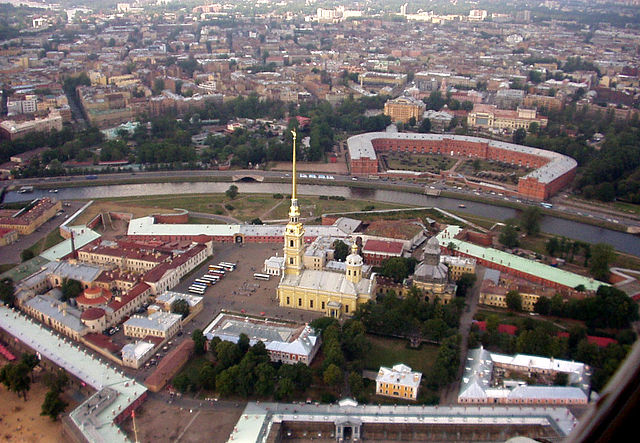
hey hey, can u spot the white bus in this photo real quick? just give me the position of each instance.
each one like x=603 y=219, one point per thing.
x=209 y=279
x=228 y=266
x=214 y=275
x=199 y=280
x=259 y=276
x=196 y=290
x=218 y=273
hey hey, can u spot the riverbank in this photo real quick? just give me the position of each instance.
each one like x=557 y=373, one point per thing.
x=380 y=185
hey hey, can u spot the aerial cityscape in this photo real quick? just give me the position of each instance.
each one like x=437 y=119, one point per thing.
x=313 y=220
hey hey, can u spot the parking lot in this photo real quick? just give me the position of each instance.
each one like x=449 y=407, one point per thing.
x=237 y=291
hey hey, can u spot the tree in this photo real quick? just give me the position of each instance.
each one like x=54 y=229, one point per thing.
x=530 y=220
x=243 y=343
x=514 y=301
x=552 y=245
x=395 y=268
x=225 y=381
x=7 y=292
x=425 y=126
x=70 y=288
x=356 y=383
x=158 y=86
x=232 y=192
x=542 y=306
x=340 y=250
x=200 y=341
x=464 y=283
x=332 y=376
x=285 y=389
x=180 y=306
x=265 y=381
x=227 y=354
x=509 y=234
x=16 y=378
x=26 y=254
x=519 y=135
x=53 y=405
x=602 y=255
x=256 y=221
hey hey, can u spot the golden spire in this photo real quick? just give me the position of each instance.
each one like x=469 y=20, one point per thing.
x=294 y=211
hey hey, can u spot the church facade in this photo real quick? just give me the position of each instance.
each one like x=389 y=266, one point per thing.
x=333 y=293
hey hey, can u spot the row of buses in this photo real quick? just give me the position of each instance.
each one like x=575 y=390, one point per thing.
x=216 y=272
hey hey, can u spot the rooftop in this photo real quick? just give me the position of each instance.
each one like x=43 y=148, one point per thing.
x=94 y=418
x=517 y=263
x=360 y=146
x=257 y=419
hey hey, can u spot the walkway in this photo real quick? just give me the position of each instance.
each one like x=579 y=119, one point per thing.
x=450 y=395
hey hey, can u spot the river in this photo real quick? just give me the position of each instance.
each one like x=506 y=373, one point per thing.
x=578 y=231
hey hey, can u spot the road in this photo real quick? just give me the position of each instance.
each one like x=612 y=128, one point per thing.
x=562 y=202
x=450 y=395
x=11 y=253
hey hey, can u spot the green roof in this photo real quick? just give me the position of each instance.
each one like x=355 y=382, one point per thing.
x=517 y=263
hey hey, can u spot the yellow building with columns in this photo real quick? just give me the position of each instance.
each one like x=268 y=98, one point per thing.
x=333 y=293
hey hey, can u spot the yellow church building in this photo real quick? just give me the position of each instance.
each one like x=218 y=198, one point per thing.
x=333 y=293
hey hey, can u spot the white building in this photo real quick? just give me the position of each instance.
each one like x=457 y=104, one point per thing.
x=135 y=354
x=273 y=265
x=286 y=342
x=480 y=386
x=158 y=324
x=399 y=382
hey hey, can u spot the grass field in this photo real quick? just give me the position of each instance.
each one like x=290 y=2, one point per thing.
x=244 y=207
x=388 y=352
x=419 y=162
x=52 y=239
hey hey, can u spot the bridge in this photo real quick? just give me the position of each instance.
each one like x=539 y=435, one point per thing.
x=247 y=178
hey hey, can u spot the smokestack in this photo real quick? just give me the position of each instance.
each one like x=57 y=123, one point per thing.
x=74 y=253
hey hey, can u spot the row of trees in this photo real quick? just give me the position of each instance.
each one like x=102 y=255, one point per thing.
x=608 y=308
x=541 y=338
x=411 y=316
x=241 y=369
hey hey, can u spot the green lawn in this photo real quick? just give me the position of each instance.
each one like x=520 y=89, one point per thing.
x=388 y=352
x=433 y=163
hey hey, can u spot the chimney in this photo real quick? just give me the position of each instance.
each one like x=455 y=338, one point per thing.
x=74 y=253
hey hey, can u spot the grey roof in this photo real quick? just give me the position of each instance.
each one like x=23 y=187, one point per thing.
x=360 y=146
x=335 y=282
x=492 y=274
x=256 y=421
x=147 y=226
x=59 y=311
x=426 y=272
x=77 y=271
x=476 y=379
x=158 y=321
x=93 y=418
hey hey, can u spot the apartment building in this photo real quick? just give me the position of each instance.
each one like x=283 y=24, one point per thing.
x=398 y=382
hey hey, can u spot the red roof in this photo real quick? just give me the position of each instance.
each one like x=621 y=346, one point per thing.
x=383 y=246
x=102 y=341
x=6 y=353
x=603 y=342
x=134 y=292
x=504 y=329
x=92 y=314
x=507 y=329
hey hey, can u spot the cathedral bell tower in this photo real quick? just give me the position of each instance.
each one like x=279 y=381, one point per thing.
x=294 y=232
x=354 y=265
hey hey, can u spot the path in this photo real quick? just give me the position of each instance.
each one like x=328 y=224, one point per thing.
x=270 y=210
x=450 y=395
x=186 y=428
x=225 y=218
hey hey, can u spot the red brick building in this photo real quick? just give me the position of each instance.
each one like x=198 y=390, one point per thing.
x=375 y=252
x=552 y=171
